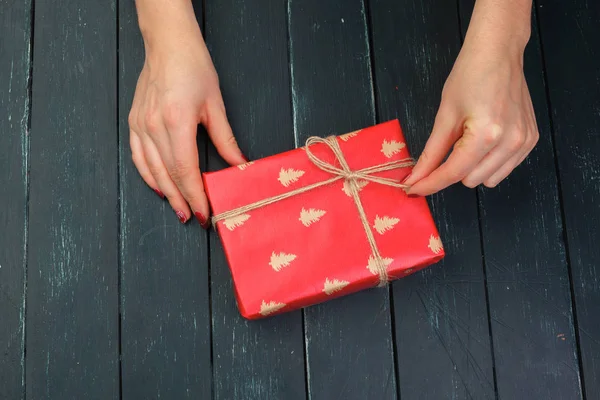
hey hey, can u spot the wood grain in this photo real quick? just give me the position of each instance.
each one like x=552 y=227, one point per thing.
x=348 y=341
x=440 y=314
x=527 y=271
x=72 y=299
x=80 y=227
x=165 y=312
x=248 y=40
x=571 y=46
x=15 y=64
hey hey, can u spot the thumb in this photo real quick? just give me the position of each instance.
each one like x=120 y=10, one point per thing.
x=222 y=137
x=443 y=135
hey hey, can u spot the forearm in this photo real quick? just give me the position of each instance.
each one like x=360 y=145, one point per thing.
x=503 y=25
x=162 y=21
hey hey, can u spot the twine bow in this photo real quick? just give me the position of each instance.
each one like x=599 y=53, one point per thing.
x=351 y=178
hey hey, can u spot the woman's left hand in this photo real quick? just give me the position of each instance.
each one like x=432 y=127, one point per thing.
x=485 y=113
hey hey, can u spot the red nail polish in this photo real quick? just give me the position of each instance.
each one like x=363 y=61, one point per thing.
x=181 y=216
x=413 y=196
x=159 y=193
x=204 y=222
x=245 y=159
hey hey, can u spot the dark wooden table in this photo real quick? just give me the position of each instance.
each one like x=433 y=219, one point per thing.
x=104 y=295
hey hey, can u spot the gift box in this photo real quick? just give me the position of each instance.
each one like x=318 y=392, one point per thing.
x=321 y=221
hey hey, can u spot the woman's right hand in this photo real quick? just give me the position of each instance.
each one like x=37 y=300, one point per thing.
x=177 y=89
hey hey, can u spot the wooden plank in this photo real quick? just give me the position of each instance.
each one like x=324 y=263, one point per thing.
x=248 y=41
x=165 y=320
x=72 y=303
x=441 y=320
x=527 y=272
x=349 y=347
x=15 y=63
x=569 y=32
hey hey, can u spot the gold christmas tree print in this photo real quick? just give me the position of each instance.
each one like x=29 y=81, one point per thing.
x=360 y=183
x=246 y=165
x=333 y=286
x=372 y=265
x=270 y=307
x=234 y=222
x=392 y=147
x=310 y=216
x=384 y=224
x=435 y=244
x=350 y=135
x=281 y=260
x=289 y=176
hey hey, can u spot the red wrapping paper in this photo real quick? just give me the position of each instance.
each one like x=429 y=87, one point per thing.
x=312 y=247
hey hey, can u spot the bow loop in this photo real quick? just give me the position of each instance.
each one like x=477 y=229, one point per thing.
x=345 y=172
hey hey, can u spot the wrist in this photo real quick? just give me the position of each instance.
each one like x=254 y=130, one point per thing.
x=164 y=24
x=500 y=26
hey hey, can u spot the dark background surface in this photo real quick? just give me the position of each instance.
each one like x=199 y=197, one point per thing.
x=105 y=295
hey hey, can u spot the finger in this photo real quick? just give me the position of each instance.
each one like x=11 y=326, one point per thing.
x=134 y=113
x=509 y=148
x=476 y=141
x=505 y=169
x=165 y=183
x=516 y=160
x=185 y=172
x=221 y=135
x=533 y=127
x=136 y=105
x=139 y=160
x=532 y=137
x=443 y=135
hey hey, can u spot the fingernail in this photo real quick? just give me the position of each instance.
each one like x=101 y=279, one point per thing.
x=245 y=158
x=405 y=179
x=413 y=196
x=159 y=193
x=204 y=222
x=181 y=216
